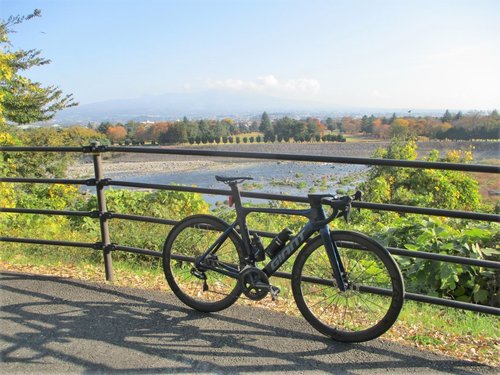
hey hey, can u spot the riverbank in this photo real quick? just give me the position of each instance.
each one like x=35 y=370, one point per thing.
x=144 y=166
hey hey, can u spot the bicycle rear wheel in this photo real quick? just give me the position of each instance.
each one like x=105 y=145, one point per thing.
x=202 y=289
x=372 y=301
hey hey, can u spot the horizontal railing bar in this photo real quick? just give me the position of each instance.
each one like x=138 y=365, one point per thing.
x=431 y=256
x=137 y=250
x=270 y=156
x=41 y=149
x=191 y=189
x=428 y=211
x=44 y=180
x=444 y=258
x=148 y=219
x=314 y=158
x=46 y=212
x=297 y=199
x=151 y=219
x=452 y=303
x=51 y=242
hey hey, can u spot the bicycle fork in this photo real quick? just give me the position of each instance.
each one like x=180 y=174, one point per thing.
x=334 y=257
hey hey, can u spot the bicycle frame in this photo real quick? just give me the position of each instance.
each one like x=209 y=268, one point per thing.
x=315 y=215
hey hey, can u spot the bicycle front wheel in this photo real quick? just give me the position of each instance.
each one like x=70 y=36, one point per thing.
x=374 y=296
x=202 y=289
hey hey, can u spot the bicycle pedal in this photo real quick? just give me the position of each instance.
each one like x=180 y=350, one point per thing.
x=274 y=290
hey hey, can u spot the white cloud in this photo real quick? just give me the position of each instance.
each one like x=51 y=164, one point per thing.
x=271 y=84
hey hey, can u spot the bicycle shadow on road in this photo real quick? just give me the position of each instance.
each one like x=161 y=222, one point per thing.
x=51 y=324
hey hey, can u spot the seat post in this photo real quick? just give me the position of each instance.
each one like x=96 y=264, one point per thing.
x=235 y=192
x=241 y=219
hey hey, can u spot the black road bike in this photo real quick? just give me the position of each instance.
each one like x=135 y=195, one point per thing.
x=345 y=284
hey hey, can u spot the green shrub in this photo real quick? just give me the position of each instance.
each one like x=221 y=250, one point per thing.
x=451 y=237
x=419 y=187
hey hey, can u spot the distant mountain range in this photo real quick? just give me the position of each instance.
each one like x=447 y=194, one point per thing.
x=214 y=103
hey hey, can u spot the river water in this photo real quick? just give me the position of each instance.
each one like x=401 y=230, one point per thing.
x=284 y=178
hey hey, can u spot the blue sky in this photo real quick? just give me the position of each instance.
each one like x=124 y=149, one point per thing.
x=371 y=54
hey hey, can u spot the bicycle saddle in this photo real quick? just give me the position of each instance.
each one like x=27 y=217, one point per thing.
x=232 y=179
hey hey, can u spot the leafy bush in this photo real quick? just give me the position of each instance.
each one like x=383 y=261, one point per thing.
x=420 y=187
x=450 y=237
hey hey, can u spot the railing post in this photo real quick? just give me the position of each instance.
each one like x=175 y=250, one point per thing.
x=103 y=217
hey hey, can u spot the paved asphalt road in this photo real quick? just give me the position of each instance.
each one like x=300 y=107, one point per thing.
x=54 y=325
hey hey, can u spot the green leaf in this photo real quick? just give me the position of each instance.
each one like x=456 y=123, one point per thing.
x=490 y=252
x=412 y=247
x=481 y=296
x=476 y=233
x=448 y=246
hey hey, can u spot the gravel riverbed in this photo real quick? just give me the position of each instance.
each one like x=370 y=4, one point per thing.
x=145 y=163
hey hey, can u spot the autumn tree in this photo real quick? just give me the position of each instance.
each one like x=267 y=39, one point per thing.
x=116 y=134
x=400 y=127
x=381 y=130
x=23 y=101
x=157 y=129
x=432 y=127
x=143 y=134
x=80 y=136
x=351 y=125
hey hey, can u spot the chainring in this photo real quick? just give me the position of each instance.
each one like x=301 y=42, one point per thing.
x=255 y=283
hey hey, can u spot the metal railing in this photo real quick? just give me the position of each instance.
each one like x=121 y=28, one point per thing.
x=103 y=215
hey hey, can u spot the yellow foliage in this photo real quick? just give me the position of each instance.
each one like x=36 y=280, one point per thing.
x=59 y=194
x=459 y=156
x=6 y=139
x=6 y=73
x=401 y=122
x=7 y=198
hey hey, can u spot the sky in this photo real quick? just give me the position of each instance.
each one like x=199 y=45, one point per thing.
x=345 y=54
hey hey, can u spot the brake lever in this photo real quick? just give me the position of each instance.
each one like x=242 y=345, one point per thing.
x=346 y=213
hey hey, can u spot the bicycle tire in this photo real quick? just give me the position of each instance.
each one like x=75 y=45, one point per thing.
x=344 y=316
x=191 y=238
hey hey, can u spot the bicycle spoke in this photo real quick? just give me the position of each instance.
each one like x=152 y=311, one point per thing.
x=350 y=315
x=192 y=239
x=361 y=296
